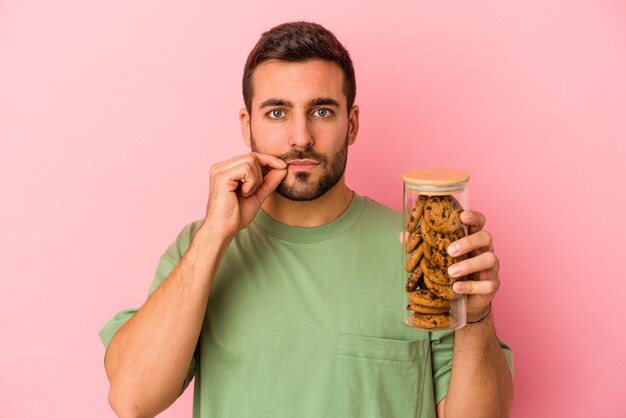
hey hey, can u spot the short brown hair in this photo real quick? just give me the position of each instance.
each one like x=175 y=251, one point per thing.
x=297 y=42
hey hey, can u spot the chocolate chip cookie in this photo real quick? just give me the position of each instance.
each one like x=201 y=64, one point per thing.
x=414 y=259
x=425 y=297
x=414 y=239
x=436 y=273
x=429 y=321
x=415 y=280
x=443 y=291
x=427 y=309
x=438 y=240
x=416 y=214
x=440 y=258
x=443 y=214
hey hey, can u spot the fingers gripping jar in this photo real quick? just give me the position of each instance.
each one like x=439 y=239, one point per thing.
x=433 y=202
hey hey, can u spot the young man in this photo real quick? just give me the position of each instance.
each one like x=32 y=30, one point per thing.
x=284 y=301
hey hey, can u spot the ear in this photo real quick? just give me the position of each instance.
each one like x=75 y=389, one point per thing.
x=353 y=124
x=244 y=120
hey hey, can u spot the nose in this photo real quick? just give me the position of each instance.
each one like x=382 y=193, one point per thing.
x=300 y=135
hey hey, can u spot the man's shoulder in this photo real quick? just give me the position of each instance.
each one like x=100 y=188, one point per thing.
x=380 y=218
x=380 y=211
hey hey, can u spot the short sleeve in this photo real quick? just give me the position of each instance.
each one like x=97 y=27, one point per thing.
x=442 y=349
x=109 y=330
x=167 y=263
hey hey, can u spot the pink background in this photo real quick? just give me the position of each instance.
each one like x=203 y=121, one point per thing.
x=112 y=112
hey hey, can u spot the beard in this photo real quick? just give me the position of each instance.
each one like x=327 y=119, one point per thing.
x=303 y=187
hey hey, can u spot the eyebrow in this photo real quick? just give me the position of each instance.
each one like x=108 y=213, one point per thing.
x=323 y=101
x=275 y=102
x=318 y=101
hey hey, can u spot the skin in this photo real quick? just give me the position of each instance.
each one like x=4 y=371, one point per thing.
x=301 y=125
x=296 y=107
x=481 y=384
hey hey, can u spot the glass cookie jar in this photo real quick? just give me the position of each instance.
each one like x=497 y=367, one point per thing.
x=433 y=201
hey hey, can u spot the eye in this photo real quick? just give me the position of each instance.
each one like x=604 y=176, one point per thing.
x=323 y=113
x=276 y=113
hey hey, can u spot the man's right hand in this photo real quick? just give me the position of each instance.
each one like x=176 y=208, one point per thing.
x=138 y=388
x=238 y=189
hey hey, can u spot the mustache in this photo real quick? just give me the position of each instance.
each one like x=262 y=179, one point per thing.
x=303 y=154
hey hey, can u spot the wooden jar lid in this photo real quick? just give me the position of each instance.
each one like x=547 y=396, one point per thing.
x=439 y=177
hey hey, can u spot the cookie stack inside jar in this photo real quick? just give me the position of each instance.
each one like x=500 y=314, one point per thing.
x=433 y=202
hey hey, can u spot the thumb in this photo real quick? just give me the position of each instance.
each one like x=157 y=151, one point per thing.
x=270 y=183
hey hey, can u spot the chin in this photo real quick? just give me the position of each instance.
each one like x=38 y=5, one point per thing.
x=298 y=192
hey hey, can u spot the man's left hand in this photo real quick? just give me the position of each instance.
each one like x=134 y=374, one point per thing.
x=482 y=263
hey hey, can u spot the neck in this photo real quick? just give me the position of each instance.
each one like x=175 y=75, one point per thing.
x=320 y=211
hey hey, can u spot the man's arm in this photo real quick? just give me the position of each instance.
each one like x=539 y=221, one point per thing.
x=148 y=358
x=481 y=384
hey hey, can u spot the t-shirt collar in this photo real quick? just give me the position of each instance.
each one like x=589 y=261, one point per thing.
x=312 y=234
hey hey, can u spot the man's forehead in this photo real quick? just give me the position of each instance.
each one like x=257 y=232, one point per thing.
x=297 y=81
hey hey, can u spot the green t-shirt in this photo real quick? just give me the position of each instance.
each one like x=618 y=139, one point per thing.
x=307 y=322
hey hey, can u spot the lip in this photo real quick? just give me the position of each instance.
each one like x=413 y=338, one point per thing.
x=303 y=164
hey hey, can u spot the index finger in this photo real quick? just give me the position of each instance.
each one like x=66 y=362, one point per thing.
x=474 y=220
x=267 y=160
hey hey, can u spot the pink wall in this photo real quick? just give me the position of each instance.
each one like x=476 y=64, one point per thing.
x=112 y=112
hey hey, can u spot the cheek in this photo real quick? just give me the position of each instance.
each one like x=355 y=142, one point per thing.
x=268 y=139
x=330 y=137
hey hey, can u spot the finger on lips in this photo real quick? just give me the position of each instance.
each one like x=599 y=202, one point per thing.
x=255 y=163
x=267 y=163
x=256 y=169
x=270 y=160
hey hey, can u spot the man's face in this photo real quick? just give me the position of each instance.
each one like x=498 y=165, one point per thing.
x=299 y=114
